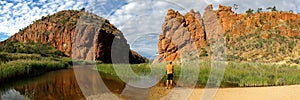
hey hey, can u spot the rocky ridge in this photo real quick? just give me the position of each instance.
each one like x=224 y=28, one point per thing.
x=261 y=36
x=64 y=31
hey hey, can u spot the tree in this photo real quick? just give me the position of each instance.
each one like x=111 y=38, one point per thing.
x=272 y=8
x=269 y=8
x=259 y=10
x=235 y=7
x=249 y=11
x=82 y=9
x=291 y=11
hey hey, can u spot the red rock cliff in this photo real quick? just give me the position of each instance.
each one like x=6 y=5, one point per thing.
x=92 y=35
x=178 y=29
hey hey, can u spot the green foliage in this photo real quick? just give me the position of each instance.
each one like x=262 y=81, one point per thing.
x=6 y=57
x=46 y=33
x=273 y=48
x=8 y=47
x=17 y=65
x=82 y=9
x=45 y=50
x=296 y=61
x=63 y=22
x=259 y=10
x=23 y=68
x=43 y=18
x=235 y=6
x=233 y=58
x=203 y=52
x=249 y=11
x=235 y=75
x=272 y=8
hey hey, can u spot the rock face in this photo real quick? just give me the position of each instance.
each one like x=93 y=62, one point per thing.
x=88 y=34
x=239 y=24
x=236 y=29
x=180 y=32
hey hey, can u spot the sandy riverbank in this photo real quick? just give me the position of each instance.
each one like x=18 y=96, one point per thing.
x=248 y=93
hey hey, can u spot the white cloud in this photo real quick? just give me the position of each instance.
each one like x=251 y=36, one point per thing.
x=285 y=5
x=139 y=18
x=8 y=5
x=43 y=1
x=20 y=13
x=135 y=19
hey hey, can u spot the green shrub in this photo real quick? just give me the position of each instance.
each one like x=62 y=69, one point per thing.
x=45 y=50
x=27 y=68
x=236 y=74
x=64 y=21
x=203 y=52
x=249 y=11
x=5 y=57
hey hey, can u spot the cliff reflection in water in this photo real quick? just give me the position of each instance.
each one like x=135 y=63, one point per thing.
x=54 y=85
x=58 y=85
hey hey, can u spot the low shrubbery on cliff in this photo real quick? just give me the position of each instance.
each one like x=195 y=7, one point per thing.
x=263 y=47
x=254 y=36
x=45 y=50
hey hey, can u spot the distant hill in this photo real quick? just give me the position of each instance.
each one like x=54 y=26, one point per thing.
x=271 y=37
x=58 y=30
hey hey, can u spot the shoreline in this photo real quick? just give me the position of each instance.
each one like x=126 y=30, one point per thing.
x=290 y=92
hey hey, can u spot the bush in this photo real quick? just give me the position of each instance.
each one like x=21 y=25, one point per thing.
x=63 y=22
x=249 y=11
x=45 y=50
x=203 y=52
x=6 y=57
x=27 y=68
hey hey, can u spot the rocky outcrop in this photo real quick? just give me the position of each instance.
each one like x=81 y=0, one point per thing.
x=78 y=34
x=240 y=24
x=180 y=32
x=236 y=30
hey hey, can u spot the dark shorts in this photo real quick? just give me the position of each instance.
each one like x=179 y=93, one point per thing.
x=170 y=77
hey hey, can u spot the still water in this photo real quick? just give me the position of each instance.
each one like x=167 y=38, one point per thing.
x=59 y=85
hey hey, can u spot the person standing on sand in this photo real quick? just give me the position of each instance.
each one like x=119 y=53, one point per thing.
x=169 y=75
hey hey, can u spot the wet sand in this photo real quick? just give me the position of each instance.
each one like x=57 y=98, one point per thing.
x=248 y=93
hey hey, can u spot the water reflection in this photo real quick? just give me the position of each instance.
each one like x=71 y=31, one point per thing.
x=56 y=85
x=11 y=94
x=94 y=84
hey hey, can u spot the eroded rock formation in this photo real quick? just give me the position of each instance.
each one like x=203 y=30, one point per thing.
x=180 y=32
x=248 y=36
x=89 y=35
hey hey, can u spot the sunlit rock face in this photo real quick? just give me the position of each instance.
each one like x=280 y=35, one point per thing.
x=180 y=32
x=245 y=35
x=89 y=35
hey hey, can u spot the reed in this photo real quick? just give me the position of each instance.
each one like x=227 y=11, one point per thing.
x=235 y=74
x=28 y=68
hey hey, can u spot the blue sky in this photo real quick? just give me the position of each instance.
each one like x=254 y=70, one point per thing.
x=3 y=36
x=139 y=20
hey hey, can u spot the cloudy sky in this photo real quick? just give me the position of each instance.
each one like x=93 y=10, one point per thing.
x=139 y=20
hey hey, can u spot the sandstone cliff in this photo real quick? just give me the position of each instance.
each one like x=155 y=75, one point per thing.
x=178 y=32
x=261 y=36
x=80 y=35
